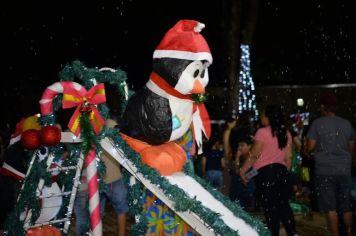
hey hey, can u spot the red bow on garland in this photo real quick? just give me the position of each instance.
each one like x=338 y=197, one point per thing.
x=85 y=102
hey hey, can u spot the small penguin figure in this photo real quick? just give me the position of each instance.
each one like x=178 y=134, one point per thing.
x=164 y=109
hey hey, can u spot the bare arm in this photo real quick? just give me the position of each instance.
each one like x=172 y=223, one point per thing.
x=227 y=147
x=223 y=163
x=298 y=144
x=311 y=144
x=253 y=156
x=203 y=165
x=237 y=162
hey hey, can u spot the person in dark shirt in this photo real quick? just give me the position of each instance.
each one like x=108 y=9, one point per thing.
x=213 y=163
x=331 y=138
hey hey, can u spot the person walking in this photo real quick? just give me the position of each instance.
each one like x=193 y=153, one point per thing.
x=331 y=139
x=271 y=156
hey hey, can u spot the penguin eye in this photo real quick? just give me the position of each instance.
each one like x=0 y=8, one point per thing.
x=202 y=74
x=196 y=73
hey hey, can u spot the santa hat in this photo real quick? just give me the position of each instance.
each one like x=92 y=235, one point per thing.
x=184 y=41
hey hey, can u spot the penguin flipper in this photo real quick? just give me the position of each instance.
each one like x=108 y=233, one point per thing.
x=148 y=118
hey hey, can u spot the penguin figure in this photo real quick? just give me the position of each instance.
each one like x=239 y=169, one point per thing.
x=155 y=116
x=164 y=109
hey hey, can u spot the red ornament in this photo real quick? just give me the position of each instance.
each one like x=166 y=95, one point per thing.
x=45 y=230
x=50 y=136
x=30 y=139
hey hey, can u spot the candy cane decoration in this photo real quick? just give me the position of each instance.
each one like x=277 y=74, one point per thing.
x=80 y=96
x=93 y=193
x=46 y=102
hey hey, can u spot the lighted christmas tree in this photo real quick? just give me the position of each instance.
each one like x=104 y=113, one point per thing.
x=247 y=97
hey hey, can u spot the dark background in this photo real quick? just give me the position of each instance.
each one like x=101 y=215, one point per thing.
x=295 y=42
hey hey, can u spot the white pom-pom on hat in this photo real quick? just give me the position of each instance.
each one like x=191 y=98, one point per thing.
x=199 y=27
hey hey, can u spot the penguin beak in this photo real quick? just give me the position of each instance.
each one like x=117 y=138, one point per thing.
x=197 y=87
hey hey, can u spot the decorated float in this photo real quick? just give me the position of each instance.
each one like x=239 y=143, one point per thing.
x=159 y=126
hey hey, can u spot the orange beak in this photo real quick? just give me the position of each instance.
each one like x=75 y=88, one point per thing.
x=197 y=87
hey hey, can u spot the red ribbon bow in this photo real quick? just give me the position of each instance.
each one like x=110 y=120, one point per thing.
x=85 y=101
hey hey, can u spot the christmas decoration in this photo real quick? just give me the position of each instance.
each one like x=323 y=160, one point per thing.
x=75 y=95
x=50 y=205
x=182 y=201
x=24 y=124
x=45 y=230
x=180 y=67
x=247 y=98
x=184 y=41
x=159 y=217
x=30 y=139
x=28 y=199
x=86 y=114
x=31 y=122
x=50 y=135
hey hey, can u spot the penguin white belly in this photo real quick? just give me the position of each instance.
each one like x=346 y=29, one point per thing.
x=182 y=116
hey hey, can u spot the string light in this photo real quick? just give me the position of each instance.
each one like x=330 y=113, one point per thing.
x=247 y=97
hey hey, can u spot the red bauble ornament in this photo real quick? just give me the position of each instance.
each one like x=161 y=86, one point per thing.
x=30 y=139
x=50 y=136
x=45 y=230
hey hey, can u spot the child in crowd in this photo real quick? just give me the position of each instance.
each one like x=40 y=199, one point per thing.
x=245 y=193
x=213 y=163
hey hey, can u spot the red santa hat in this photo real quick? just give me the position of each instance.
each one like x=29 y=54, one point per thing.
x=184 y=41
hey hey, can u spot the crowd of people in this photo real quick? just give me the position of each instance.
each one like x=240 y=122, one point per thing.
x=269 y=162
x=273 y=161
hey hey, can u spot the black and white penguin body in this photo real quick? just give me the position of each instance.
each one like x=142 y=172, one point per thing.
x=147 y=117
x=163 y=110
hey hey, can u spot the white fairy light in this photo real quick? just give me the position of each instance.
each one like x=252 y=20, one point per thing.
x=247 y=98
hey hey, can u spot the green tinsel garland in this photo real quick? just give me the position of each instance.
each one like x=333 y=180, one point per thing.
x=117 y=79
x=65 y=178
x=28 y=198
x=183 y=202
x=234 y=207
x=135 y=199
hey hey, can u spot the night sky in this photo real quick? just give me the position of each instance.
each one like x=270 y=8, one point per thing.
x=298 y=42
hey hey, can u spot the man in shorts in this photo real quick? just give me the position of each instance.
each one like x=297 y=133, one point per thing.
x=115 y=191
x=331 y=139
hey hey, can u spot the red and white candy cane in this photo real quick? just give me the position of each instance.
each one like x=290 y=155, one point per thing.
x=46 y=104
x=93 y=194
